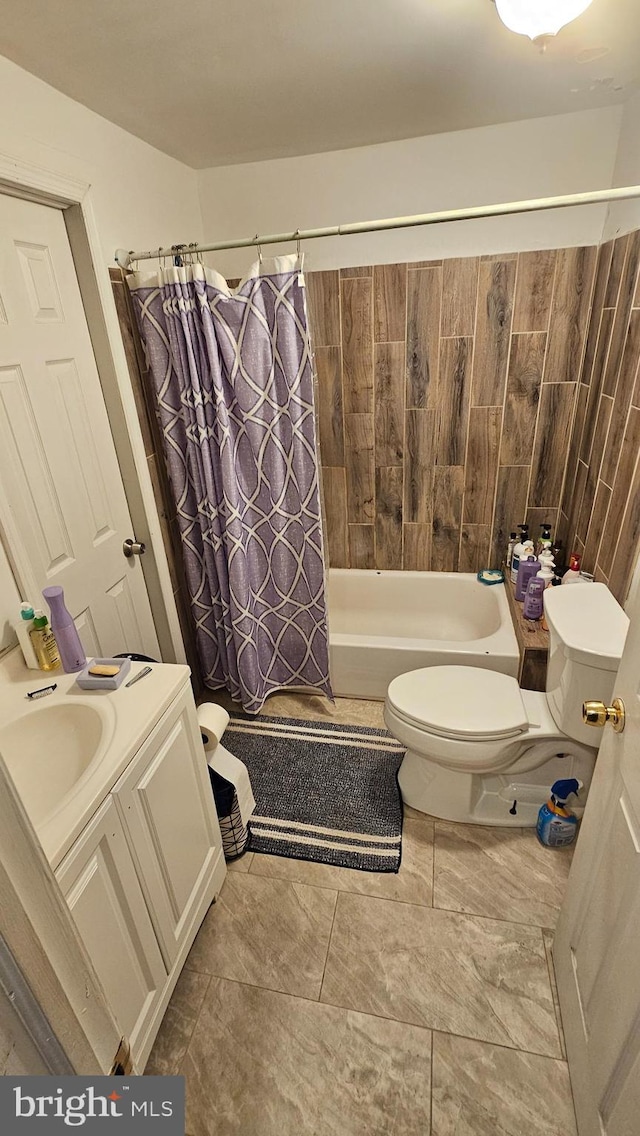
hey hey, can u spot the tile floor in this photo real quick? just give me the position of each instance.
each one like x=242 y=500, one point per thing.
x=319 y=1001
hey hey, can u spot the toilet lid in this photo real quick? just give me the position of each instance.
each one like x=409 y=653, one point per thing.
x=460 y=702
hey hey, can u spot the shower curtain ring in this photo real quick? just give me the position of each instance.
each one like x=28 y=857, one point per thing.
x=259 y=247
x=298 y=249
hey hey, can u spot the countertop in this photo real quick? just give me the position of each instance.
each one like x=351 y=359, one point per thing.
x=128 y=716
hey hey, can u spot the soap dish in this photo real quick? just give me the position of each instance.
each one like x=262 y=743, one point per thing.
x=103 y=682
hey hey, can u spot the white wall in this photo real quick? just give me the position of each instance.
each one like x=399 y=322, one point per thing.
x=625 y=215
x=536 y=158
x=141 y=197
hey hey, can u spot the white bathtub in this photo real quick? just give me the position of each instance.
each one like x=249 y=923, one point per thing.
x=382 y=624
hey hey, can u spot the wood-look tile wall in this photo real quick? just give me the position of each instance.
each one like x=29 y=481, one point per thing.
x=447 y=392
x=601 y=501
x=142 y=390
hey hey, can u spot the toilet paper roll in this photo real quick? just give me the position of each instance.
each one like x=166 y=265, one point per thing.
x=213 y=721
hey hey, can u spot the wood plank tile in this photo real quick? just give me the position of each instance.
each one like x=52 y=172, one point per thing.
x=474 y=547
x=626 y=551
x=526 y=365
x=358 y=436
x=619 y=255
x=574 y=446
x=481 y=465
x=623 y=311
x=323 y=301
x=557 y=401
x=600 y=577
x=424 y=264
x=448 y=487
x=596 y=526
x=597 y=450
x=330 y=411
x=488 y=256
x=453 y=394
x=389 y=302
x=424 y=290
x=335 y=504
x=636 y=298
x=629 y=451
x=416 y=547
x=624 y=393
x=602 y=275
x=595 y=389
x=510 y=510
x=459 y=289
x=496 y=282
x=581 y=507
x=570 y=309
x=534 y=290
x=362 y=551
x=389 y=518
x=357 y=344
x=360 y=270
x=420 y=439
x=389 y=403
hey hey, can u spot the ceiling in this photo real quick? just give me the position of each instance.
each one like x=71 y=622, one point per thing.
x=223 y=81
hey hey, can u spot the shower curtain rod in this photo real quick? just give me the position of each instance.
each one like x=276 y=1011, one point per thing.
x=534 y=205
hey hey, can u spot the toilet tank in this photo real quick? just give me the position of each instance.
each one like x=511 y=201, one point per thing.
x=587 y=631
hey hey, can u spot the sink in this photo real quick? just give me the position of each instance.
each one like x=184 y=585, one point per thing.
x=48 y=750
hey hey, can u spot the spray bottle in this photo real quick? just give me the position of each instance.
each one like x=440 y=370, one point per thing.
x=557 y=825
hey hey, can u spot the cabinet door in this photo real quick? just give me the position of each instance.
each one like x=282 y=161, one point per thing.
x=166 y=803
x=99 y=881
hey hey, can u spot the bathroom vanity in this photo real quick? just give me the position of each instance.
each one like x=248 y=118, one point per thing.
x=117 y=788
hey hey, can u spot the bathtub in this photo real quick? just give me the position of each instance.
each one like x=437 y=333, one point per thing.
x=382 y=624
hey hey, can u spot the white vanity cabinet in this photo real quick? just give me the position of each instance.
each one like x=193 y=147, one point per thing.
x=166 y=804
x=143 y=872
x=99 y=881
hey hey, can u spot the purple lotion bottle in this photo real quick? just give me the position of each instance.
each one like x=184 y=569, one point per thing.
x=64 y=629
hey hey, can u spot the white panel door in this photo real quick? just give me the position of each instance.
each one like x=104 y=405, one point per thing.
x=597 y=943
x=99 y=882
x=166 y=802
x=62 y=502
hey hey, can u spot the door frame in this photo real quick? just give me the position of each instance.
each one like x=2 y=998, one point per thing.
x=73 y=197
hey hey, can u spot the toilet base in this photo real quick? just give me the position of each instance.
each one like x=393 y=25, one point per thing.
x=487 y=798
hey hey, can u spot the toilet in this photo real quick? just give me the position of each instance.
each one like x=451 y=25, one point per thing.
x=481 y=750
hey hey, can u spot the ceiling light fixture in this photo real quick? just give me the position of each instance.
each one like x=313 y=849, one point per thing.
x=539 y=19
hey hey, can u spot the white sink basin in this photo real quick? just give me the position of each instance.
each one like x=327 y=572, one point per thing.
x=48 y=750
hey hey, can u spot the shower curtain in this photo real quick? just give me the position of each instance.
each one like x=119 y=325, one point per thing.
x=233 y=380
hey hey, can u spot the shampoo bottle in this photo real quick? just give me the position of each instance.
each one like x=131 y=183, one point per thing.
x=23 y=628
x=557 y=826
x=64 y=629
x=527 y=568
x=547 y=570
x=518 y=551
x=510 y=547
x=44 y=643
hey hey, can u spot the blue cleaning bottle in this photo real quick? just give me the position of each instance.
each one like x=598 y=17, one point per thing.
x=557 y=826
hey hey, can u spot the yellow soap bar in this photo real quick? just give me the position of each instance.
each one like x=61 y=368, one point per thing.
x=103 y=670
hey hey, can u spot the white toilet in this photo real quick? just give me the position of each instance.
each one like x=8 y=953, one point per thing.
x=480 y=749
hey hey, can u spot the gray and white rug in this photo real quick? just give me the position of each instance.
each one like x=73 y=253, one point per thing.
x=324 y=792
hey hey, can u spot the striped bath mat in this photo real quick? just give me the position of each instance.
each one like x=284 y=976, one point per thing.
x=327 y=793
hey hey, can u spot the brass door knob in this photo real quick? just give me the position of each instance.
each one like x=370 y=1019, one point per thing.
x=597 y=714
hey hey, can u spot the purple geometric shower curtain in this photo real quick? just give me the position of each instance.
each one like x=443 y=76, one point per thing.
x=233 y=378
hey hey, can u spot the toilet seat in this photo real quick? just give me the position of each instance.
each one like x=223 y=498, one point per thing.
x=460 y=703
